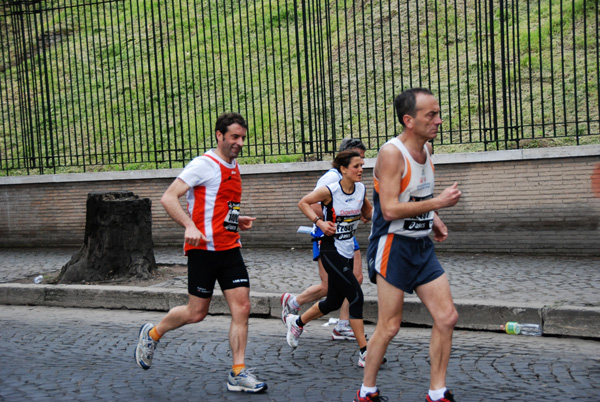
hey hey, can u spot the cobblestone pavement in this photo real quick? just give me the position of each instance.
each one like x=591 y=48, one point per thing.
x=83 y=355
x=551 y=280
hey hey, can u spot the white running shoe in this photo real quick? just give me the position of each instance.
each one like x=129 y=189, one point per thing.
x=293 y=330
x=362 y=359
x=286 y=309
x=144 y=352
x=343 y=334
x=245 y=381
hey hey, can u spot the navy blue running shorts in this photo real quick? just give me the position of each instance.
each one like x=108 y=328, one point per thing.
x=404 y=262
x=206 y=267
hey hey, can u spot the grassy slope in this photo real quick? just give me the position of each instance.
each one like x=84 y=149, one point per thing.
x=130 y=80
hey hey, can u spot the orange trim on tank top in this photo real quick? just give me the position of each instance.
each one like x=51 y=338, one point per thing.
x=386 y=254
x=406 y=178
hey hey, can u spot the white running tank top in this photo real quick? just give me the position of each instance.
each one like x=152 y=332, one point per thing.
x=344 y=210
x=416 y=185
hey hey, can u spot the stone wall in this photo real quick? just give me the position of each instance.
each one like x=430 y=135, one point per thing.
x=521 y=201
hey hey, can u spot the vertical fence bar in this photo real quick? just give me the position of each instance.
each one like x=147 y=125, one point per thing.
x=132 y=151
x=307 y=70
x=291 y=89
x=468 y=71
x=492 y=59
x=437 y=56
x=269 y=123
x=384 y=83
x=364 y=28
x=564 y=84
x=119 y=82
x=275 y=148
x=449 y=85
x=585 y=69
x=355 y=35
x=597 y=32
x=7 y=154
x=340 y=78
x=393 y=73
x=176 y=94
x=576 y=107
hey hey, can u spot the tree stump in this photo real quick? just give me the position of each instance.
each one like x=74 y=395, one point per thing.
x=118 y=240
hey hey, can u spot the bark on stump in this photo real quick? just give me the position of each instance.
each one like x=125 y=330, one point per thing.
x=118 y=240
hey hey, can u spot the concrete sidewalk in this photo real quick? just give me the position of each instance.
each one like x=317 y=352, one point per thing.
x=561 y=293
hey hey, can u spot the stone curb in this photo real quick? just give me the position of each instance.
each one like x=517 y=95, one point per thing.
x=571 y=321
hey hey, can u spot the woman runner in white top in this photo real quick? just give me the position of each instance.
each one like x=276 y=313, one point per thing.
x=345 y=202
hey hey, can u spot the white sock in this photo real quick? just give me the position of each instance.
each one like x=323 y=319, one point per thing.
x=294 y=303
x=437 y=394
x=342 y=323
x=366 y=390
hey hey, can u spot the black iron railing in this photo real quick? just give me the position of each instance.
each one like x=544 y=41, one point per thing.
x=124 y=84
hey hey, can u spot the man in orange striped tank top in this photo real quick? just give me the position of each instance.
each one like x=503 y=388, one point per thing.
x=213 y=188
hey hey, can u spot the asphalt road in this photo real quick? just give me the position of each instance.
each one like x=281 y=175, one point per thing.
x=77 y=354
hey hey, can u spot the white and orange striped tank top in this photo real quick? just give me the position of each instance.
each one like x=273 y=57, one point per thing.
x=416 y=185
x=213 y=200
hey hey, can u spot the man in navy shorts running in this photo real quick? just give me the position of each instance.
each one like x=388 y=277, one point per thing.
x=400 y=256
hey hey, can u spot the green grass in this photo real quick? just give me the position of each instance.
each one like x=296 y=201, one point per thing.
x=132 y=85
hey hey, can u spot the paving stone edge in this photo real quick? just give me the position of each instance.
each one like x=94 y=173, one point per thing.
x=561 y=320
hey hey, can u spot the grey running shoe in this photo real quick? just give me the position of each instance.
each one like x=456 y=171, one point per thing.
x=293 y=330
x=245 y=381
x=362 y=359
x=286 y=309
x=145 y=347
x=343 y=334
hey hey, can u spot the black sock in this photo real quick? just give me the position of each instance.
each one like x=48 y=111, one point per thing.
x=299 y=322
x=363 y=349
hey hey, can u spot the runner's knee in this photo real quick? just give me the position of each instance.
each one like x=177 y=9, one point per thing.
x=356 y=305
x=241 y=308
x=330 y=304
x=388 y=329
x=448 y=320
x=197 y=315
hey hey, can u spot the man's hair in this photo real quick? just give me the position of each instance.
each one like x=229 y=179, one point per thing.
x=406 y=102
x=343 y=159
x=351 y=143
x=227 y=119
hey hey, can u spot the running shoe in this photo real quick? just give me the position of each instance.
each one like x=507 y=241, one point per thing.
x=144 y=352
x=245 y=381
x=362 y=359
x=343 y=334
x=293 y=330
x=286 y=309
x=371 y=397
x=448 y=397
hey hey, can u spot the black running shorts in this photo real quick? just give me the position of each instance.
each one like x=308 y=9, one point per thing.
x=207 y=267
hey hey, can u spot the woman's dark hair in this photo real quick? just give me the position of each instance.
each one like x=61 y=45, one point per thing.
x=227 y=119
x=406 y=102
x=351 y=143
x=343 y=159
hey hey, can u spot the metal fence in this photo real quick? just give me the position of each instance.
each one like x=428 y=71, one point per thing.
x=123 y=84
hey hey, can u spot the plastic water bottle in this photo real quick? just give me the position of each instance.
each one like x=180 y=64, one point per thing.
x=516 y=328
x=305 y=229
x=38 y=279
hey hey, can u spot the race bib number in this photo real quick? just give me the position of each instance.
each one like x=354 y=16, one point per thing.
x=346 y=226
x=233 y=216
x=420 y=222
